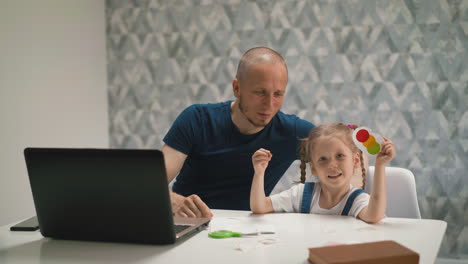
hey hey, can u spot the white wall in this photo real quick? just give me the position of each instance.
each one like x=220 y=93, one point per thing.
x=53 y=83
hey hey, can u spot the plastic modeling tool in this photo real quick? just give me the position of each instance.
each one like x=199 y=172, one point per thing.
x=367 y=141
x=227 y=233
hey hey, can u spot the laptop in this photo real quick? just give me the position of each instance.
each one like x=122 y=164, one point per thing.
x=115 y=195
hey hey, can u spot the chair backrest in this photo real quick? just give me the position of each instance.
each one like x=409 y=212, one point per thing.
x=402 y=200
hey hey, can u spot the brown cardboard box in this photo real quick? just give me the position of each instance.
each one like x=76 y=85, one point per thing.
x=380 y=252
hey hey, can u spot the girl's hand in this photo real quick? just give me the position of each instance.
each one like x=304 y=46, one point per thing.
x=260 y=160
x=386 y=154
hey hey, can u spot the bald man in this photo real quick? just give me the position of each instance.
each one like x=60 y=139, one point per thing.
x=209 y=146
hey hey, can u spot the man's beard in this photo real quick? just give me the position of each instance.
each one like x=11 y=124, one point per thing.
x=243 y=110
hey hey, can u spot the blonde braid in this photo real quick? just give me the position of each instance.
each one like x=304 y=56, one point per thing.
x=303 y=171
x=303 y=157
x=363 y=170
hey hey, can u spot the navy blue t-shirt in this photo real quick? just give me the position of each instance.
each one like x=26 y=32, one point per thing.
x=219 y=166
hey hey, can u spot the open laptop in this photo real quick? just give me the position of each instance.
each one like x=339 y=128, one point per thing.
x=116 y=195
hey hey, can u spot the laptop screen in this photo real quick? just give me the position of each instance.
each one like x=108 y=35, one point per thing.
x=101 y=194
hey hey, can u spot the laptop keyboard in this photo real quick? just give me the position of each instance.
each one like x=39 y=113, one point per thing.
x=180 y=228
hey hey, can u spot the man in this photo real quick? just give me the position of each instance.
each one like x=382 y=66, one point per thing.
x=211 y=145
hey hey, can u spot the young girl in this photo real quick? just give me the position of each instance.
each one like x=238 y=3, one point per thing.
x=332 y=157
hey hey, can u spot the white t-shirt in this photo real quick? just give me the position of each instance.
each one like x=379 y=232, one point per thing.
x=290 y=200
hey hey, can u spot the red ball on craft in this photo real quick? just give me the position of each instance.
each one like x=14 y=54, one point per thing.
x=362 y=135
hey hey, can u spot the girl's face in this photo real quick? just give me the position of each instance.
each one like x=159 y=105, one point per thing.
x=333 y=162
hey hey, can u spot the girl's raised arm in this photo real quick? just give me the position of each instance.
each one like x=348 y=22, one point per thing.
x=375 y=211
x=259 y=203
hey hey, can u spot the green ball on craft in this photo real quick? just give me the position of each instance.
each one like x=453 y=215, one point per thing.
x=374 y=149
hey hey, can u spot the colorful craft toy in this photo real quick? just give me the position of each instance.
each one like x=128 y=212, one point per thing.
x=367 y=141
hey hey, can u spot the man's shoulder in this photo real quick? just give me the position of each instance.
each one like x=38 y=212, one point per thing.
x=294 y=124
x=285 y=116
x=291 y=118
x=209 y=107
x=199 y=115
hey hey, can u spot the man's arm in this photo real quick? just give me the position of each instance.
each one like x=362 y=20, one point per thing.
x=173 y=160
x=191 y=206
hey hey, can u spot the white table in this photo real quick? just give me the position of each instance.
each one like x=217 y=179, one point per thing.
x=295 y=233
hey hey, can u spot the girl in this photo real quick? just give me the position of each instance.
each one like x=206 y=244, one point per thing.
x=332 y=157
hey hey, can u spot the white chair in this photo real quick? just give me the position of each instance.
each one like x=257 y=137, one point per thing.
x=402 y=200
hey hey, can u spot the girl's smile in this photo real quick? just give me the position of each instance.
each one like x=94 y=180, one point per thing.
x=335 y=176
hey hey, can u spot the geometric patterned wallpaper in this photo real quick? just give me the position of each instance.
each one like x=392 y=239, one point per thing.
x=397 y=66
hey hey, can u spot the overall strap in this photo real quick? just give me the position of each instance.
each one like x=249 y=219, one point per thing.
x=350 y=201
x=307 y=197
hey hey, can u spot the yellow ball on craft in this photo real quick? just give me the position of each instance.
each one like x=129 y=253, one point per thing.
x=369 y=142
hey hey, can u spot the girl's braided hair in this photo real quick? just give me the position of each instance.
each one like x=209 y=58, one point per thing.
x=344 y=132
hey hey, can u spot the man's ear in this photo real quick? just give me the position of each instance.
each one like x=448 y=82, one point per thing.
x=236 y=88
x=357 y=160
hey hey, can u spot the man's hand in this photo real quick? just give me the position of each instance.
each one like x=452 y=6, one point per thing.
x=191 y=206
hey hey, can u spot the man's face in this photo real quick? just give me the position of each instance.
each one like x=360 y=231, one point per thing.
x=261 y=92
